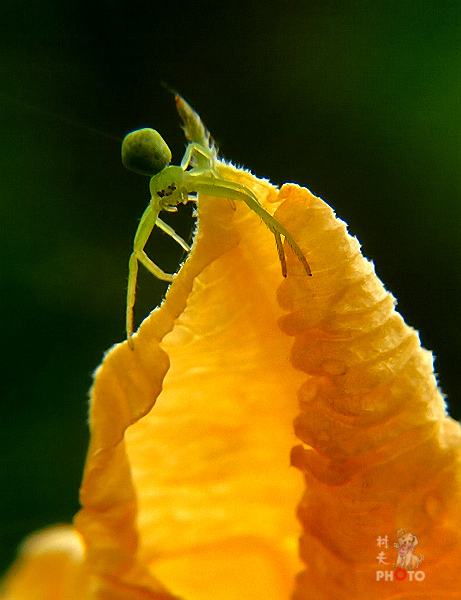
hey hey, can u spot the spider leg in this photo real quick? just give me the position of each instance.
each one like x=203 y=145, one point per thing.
x=281 y=252
x=235 y=191
x=145 y=227
x=172 y=233
x=205 y=159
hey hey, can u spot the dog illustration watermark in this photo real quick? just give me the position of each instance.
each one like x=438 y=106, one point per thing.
x=407 y=559
x=407 y=562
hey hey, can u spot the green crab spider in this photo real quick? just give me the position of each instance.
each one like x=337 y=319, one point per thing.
x=145 y=151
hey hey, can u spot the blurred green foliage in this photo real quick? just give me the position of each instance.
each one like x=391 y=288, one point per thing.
x=358 y=100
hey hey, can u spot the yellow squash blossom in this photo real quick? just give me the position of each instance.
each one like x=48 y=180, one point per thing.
x=188 y=490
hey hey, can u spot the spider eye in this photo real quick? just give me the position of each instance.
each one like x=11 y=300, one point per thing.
x=144 y=151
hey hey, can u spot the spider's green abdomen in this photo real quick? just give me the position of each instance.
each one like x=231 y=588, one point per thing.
x=144 y=151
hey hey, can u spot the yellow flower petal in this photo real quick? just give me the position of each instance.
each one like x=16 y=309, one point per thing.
x=187 y=489
x=379 y=453
x=50 y=566
x=209 y=465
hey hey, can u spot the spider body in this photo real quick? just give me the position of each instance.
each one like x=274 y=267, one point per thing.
x=145 y=151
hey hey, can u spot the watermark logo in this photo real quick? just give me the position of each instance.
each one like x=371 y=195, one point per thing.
x=407 y=561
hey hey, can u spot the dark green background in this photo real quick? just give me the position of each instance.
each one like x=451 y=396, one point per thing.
x=359 y=101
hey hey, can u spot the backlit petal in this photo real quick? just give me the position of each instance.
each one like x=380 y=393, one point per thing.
x=188 y=489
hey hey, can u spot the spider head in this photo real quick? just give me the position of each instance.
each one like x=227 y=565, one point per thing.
x=144 y=151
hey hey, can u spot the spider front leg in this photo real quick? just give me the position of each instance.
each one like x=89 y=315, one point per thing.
x=146 y=225
x=234 y=191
